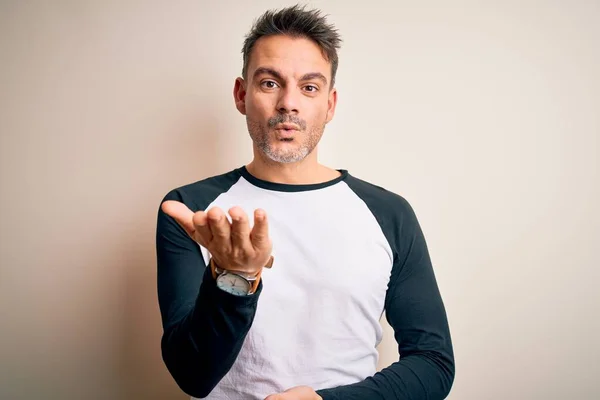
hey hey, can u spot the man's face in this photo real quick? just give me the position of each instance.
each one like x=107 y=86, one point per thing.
x=286 y=97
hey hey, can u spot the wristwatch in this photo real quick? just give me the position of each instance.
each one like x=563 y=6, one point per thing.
x=236 y=283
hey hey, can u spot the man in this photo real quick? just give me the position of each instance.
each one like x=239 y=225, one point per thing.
x=286 y=305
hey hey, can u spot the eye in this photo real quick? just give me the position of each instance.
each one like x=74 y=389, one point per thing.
x=268 y=84
x=311 y=88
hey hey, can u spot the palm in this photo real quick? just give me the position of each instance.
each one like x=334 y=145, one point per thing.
x=233 y=245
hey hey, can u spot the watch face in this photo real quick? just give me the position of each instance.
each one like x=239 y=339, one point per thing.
x=234 y=284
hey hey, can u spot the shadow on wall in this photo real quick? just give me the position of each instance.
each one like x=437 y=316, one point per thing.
x=142 y=371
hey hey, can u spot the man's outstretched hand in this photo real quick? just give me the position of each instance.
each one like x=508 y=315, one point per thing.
x=296 y=393
x=232 y=245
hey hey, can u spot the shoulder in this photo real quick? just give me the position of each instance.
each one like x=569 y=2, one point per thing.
x=198 y=195
x=380 y=200
x=392 y=211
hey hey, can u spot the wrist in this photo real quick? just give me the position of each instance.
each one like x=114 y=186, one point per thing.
x=216 y=269
x=235 y=282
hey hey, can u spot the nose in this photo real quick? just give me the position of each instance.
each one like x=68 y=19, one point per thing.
x=288 y=101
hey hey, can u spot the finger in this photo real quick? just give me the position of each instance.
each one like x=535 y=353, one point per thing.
x=273 y=397
x=260 y=232
x=240 y=229
x=181 y=214
x=220 y=229
x=203 y=234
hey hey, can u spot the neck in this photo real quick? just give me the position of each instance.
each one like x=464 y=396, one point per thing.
x=307 y=171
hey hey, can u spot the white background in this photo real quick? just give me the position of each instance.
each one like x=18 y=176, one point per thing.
x=484 y=115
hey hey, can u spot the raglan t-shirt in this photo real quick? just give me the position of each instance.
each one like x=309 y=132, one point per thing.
x=345 y=252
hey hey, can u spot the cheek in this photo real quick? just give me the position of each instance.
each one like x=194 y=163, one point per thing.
x=260 y=104
x=319 y=115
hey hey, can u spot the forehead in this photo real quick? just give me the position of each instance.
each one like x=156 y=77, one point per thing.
x=290 y=56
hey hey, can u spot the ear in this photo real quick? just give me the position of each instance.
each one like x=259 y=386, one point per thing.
x=239 y=95
x=331 y=103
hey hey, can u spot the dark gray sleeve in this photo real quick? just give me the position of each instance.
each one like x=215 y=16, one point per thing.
x=415 y=311
x=204 y=327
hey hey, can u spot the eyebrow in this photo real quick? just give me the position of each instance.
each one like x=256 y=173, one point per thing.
x=278 y=75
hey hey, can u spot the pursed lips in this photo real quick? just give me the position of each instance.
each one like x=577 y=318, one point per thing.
x=286 y=131
x=287 y=127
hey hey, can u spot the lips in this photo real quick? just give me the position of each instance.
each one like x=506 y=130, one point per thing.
x=285 y=134
x=287 y=127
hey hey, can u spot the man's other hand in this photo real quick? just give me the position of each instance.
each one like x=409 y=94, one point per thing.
x=296 y=393
x=233 y=245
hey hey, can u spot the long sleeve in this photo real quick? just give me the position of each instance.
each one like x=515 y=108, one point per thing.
x=204 y=327
x=415 y=311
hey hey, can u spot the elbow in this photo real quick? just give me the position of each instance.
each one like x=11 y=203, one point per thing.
x=449 y=381
x=440 y=373
x=194 y=389
x=187 y=373
x=447 y=370
x=191 y=381
x=442 y=358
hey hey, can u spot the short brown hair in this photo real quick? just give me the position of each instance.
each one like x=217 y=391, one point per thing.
x=295 y=21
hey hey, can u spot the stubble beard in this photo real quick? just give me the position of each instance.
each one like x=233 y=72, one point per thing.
x=307 y=138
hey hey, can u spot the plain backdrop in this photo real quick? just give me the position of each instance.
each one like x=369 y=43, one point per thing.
x=484 y=115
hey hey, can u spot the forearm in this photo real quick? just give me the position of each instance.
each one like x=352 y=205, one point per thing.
x=427 y=375
x=201 y=348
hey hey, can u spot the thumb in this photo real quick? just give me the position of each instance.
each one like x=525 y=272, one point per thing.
x=181 y=214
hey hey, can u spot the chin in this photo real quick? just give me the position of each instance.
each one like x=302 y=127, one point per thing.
x=285 y=157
